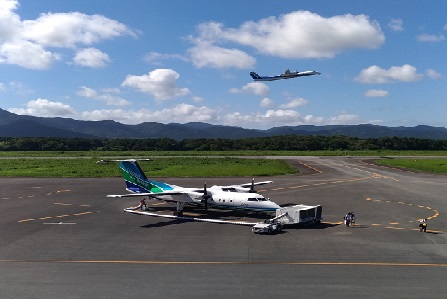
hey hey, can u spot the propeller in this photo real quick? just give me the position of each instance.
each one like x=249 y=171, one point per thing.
x=252 y=188
x=205 y=197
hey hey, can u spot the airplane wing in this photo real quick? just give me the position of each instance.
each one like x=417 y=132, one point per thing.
x=248 y=185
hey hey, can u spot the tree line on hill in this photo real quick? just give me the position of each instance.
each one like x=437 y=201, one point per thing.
x=275 y=143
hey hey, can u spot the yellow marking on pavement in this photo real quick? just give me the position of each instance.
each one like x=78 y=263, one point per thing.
x=83 y=213
x=59 y=216
x=277 y=189
x=192 y=214
x=332 y=223
x=84 y=205
x=318 y=184
x=62 y=216
x=63 y=204
x=376 y=224
x=146 y=262
x=403 y=203
x=301 y=186
x=25 y=220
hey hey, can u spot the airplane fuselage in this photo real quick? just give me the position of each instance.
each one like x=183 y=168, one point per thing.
x=226 y=200
x=284 y=76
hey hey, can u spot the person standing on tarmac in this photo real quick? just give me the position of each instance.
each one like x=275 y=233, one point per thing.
x=142 y=203
x=352 y=218
x=423 y=225
x=347 y=219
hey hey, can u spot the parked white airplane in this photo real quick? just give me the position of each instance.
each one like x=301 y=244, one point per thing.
x=232 y=197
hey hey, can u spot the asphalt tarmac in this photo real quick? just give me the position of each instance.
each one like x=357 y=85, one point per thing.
x=63 y=238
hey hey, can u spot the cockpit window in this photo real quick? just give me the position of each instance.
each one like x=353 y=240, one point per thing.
x=230 y=189
x=252 y=199
x=262 y=199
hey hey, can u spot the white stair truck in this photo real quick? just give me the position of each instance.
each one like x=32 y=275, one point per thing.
x=300 y=214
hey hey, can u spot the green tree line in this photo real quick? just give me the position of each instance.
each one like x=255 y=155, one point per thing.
x=274 y=143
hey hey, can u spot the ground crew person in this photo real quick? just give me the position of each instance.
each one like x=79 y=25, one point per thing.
x=142 y=203
x=423 y=225
x=347 y=219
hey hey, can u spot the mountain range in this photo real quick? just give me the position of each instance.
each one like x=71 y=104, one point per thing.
x=13 y=125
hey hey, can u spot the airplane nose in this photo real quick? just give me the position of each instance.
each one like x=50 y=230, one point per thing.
x=274 y=206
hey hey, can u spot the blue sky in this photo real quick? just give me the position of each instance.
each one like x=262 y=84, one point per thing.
x=381 y=62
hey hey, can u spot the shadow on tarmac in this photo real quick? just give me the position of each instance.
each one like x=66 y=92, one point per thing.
x=321 y=225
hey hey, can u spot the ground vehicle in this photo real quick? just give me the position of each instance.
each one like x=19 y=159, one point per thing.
x=300 y=214
x=269 y=226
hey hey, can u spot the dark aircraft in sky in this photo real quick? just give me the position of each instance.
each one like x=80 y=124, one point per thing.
x=287 y=75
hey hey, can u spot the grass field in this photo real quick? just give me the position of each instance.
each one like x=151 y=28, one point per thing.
x=159 y=167
x=205 y=164
x=427 y=165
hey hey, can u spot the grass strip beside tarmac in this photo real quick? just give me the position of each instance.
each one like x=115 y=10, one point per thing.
x=426 y=165
x=158 y=167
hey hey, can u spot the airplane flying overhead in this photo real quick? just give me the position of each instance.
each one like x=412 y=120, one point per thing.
x=287 y=75
x=230 y=197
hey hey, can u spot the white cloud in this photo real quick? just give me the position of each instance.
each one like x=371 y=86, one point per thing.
x=181 y=113
x=44 y=108
x=197 y=99
x=375 y=93
x=294 y=103
x=208 y=55
x=344 y=119
x=91 y=57
x=433 y=74
x=270 y=118
x=160 y=83
x=15 y=88
x=299 y=34
x=375 y=74
x=396 y=25
x=106 y=97
x=26 y=54
x=25 y=43
x=70 y=29
x=266 y=102
x=257 y=88
x=432 y=38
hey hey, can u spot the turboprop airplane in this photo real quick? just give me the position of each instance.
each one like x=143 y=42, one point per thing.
x=231 y=197
x=287 y=75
